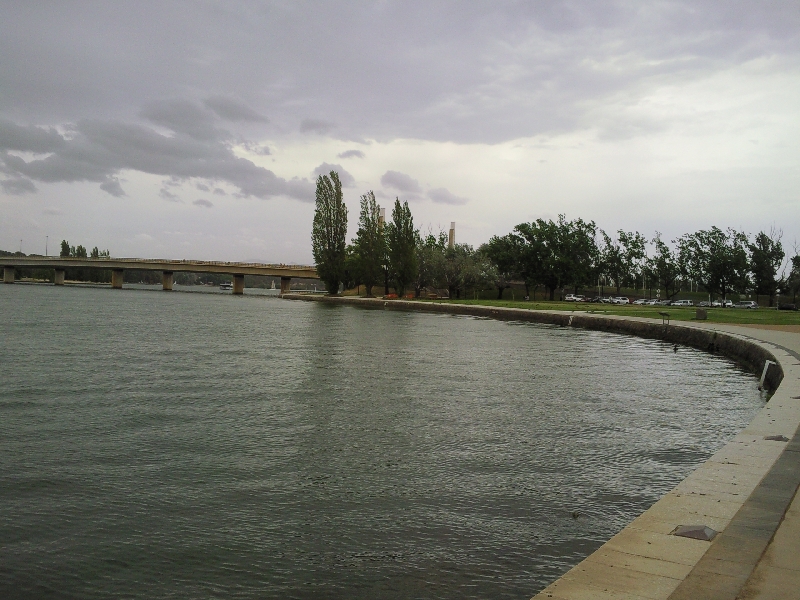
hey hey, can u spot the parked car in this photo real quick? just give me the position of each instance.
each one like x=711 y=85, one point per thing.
x=704 y=303
x=620 y=300
x=720 y=303
x=682 y=303
x=746 y=304
x=640 y=301
x=787 y=307
x=574 y=298
x=664 y=302
x=651 y=302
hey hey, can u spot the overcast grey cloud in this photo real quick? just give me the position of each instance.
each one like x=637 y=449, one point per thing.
x=203 y=203
x=233 y=110
x=401 y=182
x=345 y=177
x=444 y=196
x=98 y=150
x=351 y=154
x=317 y=126
x=602 y=110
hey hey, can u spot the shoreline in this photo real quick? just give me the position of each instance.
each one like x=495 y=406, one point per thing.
x=745 y=492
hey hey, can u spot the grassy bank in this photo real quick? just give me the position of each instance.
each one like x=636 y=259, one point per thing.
x=763 y=316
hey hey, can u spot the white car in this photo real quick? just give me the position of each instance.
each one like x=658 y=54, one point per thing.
x=682 y=303
x=570 y=298
x=746 y=304
x=620 y=300
x=640 y=301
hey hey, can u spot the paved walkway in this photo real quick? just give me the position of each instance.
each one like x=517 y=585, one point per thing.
x=747 y=491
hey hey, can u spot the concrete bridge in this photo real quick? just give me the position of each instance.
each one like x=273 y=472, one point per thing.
x=117 y=267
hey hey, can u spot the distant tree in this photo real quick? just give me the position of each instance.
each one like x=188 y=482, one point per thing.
x=352 y=268
x=766 y=257
x=65 y=249
x=401 y=240
x=532 y=254
x=458 y=271
x=369 y=244
x=567 y=253
x=329 y=230
x=505 y=254
x=620 y=259
x=430 y=261
x=792 y=282
x=663 y=267
x=715 y=258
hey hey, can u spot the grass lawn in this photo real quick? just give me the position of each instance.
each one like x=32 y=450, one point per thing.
x=764 y=316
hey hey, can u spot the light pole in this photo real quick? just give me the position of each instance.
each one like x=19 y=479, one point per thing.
x=46 y=239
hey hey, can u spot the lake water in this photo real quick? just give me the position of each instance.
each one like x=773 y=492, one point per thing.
x=201 y=445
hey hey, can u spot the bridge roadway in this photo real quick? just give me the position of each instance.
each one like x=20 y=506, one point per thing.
x=117 y=267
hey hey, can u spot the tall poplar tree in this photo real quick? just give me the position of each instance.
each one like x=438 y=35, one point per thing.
x=401 y=239
x=370 y=244
x=328 y=232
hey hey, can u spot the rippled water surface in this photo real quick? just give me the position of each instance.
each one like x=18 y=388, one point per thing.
x=178 y=445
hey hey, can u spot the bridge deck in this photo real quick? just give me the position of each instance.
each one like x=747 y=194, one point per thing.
x=157 y=264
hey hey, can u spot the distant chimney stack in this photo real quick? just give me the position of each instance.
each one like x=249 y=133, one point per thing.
x=381 y=216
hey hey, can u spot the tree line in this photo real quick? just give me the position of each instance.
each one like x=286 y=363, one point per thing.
x=556 y=255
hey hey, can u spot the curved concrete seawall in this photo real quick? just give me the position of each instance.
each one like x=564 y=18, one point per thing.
x=745 y=492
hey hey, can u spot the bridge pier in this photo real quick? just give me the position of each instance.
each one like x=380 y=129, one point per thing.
x=59 y=278
x=285 y=283
x=8 y=275
x=238 y=284
x=166 y=280
x=117 y=275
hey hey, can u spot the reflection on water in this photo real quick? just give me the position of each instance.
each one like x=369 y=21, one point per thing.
x=199 y=445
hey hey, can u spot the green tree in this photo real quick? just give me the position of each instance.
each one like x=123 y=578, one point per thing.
x=621 y=259
x=663 y=267
x=458 y=269
x=766 y=257
x=715 y=258
x=65 y=249
x=369 y=244
x=532 y=252
x=567 y=253
x=792 y=282
x=401 y=239
x=329 y=231
x=430 y=261
x=505 y=254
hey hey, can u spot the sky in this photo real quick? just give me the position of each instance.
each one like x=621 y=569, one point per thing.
x=197 y=129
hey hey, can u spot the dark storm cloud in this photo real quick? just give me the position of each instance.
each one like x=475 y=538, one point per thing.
x=98 y=150
x=345 y=177
x=401 y=182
